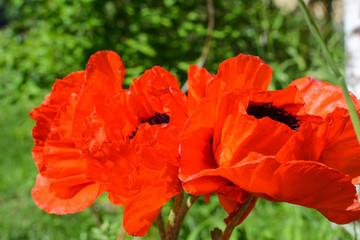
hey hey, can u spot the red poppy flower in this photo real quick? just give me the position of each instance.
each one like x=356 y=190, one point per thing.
x=63 y=185
x=241 y=72
x=131 y=143
x=92 y=136
x=335 y=140
x=232 y=142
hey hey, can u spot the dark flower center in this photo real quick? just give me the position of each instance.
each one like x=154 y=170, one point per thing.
x=260 y=110
x=157 y=119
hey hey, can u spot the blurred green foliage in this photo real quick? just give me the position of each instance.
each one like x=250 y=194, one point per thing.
x=44 y=40
x=41 y=40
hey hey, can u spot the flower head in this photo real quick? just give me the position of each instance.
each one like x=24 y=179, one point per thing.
x=269 y=144
x=92 y=136
x=140 y=127
x=63 y=185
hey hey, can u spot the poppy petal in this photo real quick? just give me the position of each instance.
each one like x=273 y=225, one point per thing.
x=151 y=91
x=198 y=79
x=149 y=191
x=201 y=184
x=105 y=72
x=344 y=152
x=157 y=79
x=322 y=98
x=196 y=142
x=61 y=187
x=109 y=158
x=244 y=72
x=326 y=100
x=104 y=76
x=305 y=183
x=312 y=138
x=112 y=167
x=53 y=125
x=155 y=178
x=54 y=151
x=236 y=133
x=81 y=195
x=356 y=181
x=156 y=96
x=233 y=193
x=155 y=147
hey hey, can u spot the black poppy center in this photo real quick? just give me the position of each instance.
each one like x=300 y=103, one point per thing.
x=260 y=110
x=157 y=119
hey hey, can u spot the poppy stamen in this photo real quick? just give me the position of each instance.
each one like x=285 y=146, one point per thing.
x=260 y=110
x=157 y=119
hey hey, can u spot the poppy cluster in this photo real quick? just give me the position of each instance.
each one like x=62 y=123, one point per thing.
x=230 y=137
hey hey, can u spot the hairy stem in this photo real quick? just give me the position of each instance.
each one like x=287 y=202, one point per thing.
x=234 y=220
x=96 y=215
x=161 y=226
x=181 y=216
x=173 y=215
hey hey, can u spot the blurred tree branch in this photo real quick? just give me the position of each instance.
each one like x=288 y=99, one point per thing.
x=206 y=49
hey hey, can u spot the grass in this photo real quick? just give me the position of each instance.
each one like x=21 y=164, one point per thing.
x=21 y=219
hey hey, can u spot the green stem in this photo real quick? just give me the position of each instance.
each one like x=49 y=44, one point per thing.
x=173 y=215
x=341 y=81
x=181 y=216
x=96 y=215
x=235 y=219
x=160 y=224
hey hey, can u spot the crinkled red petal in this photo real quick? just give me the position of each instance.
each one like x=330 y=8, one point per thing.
x=198 y=80
x=61 y=186
x=343 y=153
x=236 y=133
x=110 y=160
x=104 y=76
x=244 y=72
x=322 y=98
x=82 y=194
x=53 y=127
x=150 y=189
x=133 y=159
x=305 y=183
x=196 y=142
x=151 y=93
x=313 y=138
x=336 y=138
